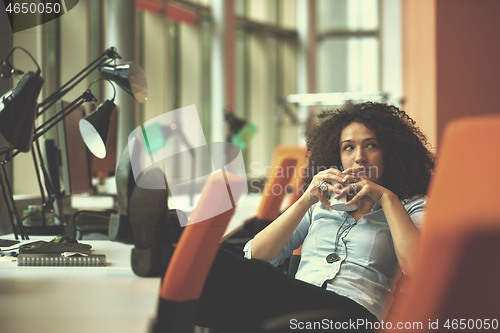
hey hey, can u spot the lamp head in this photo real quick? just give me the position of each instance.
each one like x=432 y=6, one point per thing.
x=18 y=111
x=130 y=77
x=94 y=128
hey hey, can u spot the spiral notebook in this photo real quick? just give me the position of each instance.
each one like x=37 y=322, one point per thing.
x=60 y=259
x=41 y=253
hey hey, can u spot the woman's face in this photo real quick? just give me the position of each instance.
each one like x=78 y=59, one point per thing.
x=360 y=148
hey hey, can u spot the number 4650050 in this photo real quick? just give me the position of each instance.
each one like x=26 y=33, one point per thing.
x=471 y=324
x=33 y=8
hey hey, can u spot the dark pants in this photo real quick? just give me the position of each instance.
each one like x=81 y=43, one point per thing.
x=242 y=295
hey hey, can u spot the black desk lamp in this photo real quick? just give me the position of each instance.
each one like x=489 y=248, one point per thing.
x=95 y=127
x=18 y=111
x=17 y=121
x=17 y=118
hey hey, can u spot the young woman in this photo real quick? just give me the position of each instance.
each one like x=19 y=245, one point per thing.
x=349 y=260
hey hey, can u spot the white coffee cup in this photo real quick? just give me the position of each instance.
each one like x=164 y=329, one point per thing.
x=340 y=203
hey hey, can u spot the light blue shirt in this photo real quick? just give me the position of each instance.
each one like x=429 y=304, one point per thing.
x=367 y=267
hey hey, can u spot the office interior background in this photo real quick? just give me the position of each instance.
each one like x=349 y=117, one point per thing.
x=437 y=59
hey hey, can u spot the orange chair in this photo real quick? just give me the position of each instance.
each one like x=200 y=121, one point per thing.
x=287 y=168
x=293 y=264
x=194 y=254
x=455 y=286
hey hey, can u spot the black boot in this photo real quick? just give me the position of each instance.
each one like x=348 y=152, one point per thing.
x=155 y=230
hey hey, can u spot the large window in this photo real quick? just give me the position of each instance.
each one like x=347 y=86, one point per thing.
x=265 y=73
x=175 y=45
x=348 y=46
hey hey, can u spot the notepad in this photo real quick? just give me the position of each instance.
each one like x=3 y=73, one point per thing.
x=60 y=259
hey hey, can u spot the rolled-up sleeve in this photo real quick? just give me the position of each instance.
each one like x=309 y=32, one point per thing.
x=293 y=242
x=415 y=208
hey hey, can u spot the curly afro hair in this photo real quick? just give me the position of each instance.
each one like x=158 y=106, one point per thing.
x=408 y=163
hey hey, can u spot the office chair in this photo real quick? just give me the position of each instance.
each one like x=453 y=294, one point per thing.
x=283 y=183
x=89 y=224
x=193 y=256
x=293 y=264
x=285 y=177
x=457 y=269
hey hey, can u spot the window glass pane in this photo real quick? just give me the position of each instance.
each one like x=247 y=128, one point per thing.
x=287 y=12
x=347 y=14
x=264 y=11
x=348 y=65
x=239 y=7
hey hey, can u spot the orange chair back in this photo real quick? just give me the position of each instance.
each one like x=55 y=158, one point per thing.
x=199 y=242
x=287 y=168
x=457 y=273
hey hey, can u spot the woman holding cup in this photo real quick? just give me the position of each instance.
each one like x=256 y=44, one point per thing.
x=375 y=158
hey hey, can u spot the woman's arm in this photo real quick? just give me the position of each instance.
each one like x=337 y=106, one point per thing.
x=269 y=243
x=405 y=235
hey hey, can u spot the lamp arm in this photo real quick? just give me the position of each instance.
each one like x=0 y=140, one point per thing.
x=52 y=99
x=10 y=157
x=47 y=125
x=107 y=55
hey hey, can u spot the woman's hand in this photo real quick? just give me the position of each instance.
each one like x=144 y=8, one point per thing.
x=404 y=233
x=323 y=185
x=359 y=187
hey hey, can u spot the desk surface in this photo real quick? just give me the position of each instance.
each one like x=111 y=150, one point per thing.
x=86 y=299
x=78 y=299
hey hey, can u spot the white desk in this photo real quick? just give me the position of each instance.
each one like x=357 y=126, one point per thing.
x=78 y=299
x=86 y=299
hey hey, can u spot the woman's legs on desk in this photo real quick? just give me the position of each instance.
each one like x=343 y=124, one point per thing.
x=240 y=294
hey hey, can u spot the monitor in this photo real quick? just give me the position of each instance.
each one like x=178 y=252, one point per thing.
x=75 y=169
